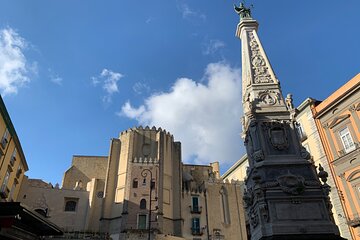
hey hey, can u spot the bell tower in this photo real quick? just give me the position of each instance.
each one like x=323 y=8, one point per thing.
x=284 y=197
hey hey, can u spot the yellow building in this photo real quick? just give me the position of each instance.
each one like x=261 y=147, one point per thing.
x=16 y=220
x=12 y=159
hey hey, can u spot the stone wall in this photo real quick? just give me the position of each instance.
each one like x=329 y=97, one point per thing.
x=84 y=168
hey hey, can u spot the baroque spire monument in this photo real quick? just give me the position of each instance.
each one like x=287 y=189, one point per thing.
x=284 y=197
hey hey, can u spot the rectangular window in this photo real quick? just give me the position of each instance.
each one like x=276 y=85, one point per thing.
x=195 y=205
x=18 y=172
x=300 y=131
x=135 y=183
x=195 y=226
x=13 y=157
x=11 y=195
x=142 y=221
x=4 y=190
x=71 y=204
x=5 y=139
x=347 y=140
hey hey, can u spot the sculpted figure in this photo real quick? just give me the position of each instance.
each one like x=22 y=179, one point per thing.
x=289 y=101
x=242 y=11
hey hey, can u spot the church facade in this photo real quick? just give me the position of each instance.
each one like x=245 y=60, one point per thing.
x=142 y=184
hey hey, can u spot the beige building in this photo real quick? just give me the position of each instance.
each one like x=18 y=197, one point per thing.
x=310 y=139
x=141 y=185
x=238 y=170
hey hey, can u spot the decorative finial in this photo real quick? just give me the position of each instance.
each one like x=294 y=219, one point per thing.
x=242 y=11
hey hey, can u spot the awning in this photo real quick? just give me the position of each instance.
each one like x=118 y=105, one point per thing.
x=18 y=216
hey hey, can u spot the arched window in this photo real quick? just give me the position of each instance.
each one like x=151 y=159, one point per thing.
x=135 y=183
x=225 y=205
x=144 y=182
x=143 y=204
x=42 y=212
x=70 y=206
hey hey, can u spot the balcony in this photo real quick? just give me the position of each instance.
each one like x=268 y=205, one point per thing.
x=343 y=152
x=4 y=192
x=196 y=231
x=195 y=209
x=217 y=237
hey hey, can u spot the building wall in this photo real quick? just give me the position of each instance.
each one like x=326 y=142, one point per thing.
x=138 y=149
x=42 y=197
x=218 y=209
x=108 y=201
x=12 y=159
x=336 y=115
x=237 y=171
x=310 y=139
x=83 y=169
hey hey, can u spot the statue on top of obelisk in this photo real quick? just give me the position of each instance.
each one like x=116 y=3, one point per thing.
x=242 y=11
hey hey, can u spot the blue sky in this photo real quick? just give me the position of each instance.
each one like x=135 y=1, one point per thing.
x=73 y=74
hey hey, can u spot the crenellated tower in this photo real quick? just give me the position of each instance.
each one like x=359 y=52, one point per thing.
x=142 y=187
x=284 y=196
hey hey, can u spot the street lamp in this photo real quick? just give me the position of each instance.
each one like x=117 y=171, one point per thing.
x=144 y=174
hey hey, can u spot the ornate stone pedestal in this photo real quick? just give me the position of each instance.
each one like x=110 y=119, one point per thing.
x=284 y=196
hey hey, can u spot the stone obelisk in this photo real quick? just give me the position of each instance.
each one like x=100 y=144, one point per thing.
x=284 y=197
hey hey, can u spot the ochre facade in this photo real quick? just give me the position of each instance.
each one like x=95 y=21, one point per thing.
x=338 y=121
x=12 y=159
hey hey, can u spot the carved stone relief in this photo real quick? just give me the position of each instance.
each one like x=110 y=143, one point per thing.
x=252 y=140
x=352 y=108
x=248 y=198
x=263 y=209
x=258 y=156
x=254 y=219
x=269 y=97
x=277 y=135
x=292 y=184
x=304 y=153
x=261 y=70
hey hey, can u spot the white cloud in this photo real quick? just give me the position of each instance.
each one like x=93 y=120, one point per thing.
x=130 y=112
x=109 y=80
x=188 y=13
x=212 y=46
x=14 y=67
x=205 y=116
x=56 y=79
x=140 y=88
